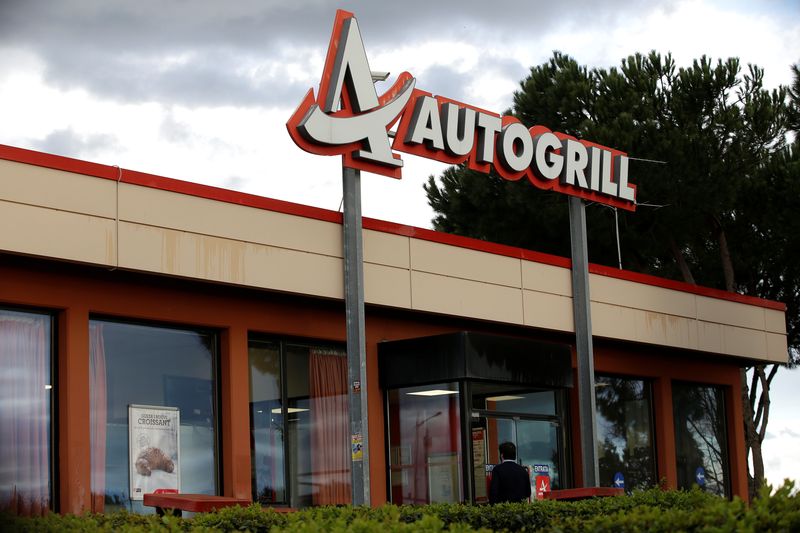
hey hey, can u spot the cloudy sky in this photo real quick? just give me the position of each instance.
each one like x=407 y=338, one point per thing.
x=201 y=90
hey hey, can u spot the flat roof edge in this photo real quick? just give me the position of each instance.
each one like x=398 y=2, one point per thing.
x=115 y=173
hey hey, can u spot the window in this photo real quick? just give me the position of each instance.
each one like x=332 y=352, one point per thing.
x=300 y=445
x=701 y=440
x=530 y=419
x=26 y=403
x=425 y=444
x=625 y=433
x=156 y=366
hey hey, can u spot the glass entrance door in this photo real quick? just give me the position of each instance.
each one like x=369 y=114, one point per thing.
x=537 y=446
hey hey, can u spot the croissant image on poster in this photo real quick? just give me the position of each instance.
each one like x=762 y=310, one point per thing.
x=154 y=449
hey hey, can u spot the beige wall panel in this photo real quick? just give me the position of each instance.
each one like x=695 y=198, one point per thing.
x=731 y=313
x=777 y=349
x=57 y=189
x=56 y=234
x=546 y=278
x=710 y=337
x=166 y=209
x=386 y=249
x=625 y=323
x=641 y=296
x=463 y=263
x=668 y=330
x=384 y=285
x=547 y=311
x=459 y=297
x=199 y=256
x=744 y=342
x=775 y=320
x=613 y=321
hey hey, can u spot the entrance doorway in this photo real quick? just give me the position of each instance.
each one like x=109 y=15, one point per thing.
x=529 y=419
x=452 y=399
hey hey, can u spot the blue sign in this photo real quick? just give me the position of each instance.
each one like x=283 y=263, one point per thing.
x=541 y=469
x=619 y=480
x=700 y=476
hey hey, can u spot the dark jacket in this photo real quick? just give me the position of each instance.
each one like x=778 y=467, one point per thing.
x=510 y=483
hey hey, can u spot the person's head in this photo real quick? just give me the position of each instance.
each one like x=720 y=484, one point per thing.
x=508 y=451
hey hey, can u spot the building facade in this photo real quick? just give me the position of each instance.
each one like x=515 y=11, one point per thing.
x=119 y=288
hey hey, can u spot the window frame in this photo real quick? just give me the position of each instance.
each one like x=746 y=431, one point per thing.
x=649 y=383
x=216 y=374
x=53 y=424
x=721 y=389
x=282 y=342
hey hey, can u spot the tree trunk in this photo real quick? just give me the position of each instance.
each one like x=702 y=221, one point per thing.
x=750 y=437
x=756 y=406
x=725 y=257
x=680 y=259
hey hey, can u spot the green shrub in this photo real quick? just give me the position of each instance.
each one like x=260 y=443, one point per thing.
x=650 y=511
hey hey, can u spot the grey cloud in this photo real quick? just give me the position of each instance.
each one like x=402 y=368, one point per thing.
x=447 y=81
x=115 y=49
x=234 y=182
x=68 y=142
x=790 y=433
x=173 y=130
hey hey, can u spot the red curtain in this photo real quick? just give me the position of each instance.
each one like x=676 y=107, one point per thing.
x=24 y=413
x=330 y=435
x=97 y=417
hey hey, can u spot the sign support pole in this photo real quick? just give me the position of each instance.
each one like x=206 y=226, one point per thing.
x=356 y=343
x=581 y=313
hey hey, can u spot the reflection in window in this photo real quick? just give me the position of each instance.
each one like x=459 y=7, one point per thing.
x=624 y=432
x=25 y=407
x=425 y=444
x=493 y=397
x=700 y=437
x=302 y=437
x=148 y=365
x=266 y=423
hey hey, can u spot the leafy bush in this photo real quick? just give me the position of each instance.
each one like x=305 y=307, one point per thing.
x=654 y=510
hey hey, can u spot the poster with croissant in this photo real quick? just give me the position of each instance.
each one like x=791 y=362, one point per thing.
x=154 y=449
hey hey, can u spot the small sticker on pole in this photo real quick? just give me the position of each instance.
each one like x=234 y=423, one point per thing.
x=357 y=441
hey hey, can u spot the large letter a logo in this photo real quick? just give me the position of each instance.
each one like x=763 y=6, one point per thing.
x=348 y=117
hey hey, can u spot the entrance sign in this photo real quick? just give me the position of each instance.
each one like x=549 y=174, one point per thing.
x=348 y=118
x=479 y=465
x=542 y=486
x=154 y=447
x=541 y=480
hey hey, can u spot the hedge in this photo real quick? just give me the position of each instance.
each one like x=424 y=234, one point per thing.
x=654 y=510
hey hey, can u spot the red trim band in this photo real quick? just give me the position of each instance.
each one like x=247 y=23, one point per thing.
x=68 y=164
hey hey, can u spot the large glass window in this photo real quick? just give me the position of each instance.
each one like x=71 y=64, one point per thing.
x=299 y=422
x=625 y=433
x=701 y=440
x=26 y=399
x=154 y=366
x=425 y=444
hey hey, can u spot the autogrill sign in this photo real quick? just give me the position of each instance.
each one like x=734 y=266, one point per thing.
x=347 y=117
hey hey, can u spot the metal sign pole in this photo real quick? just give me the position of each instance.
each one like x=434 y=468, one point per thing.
x=583 y=340
x=356 y=343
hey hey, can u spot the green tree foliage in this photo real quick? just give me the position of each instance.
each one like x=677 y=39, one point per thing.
x=717 y=184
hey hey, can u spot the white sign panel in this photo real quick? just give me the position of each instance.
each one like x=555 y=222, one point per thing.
x=154 y=449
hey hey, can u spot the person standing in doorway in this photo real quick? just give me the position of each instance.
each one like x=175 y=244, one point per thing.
x=510 y=481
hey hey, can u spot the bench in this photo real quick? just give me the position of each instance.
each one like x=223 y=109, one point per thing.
x=196 y=503
x=572 y=495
